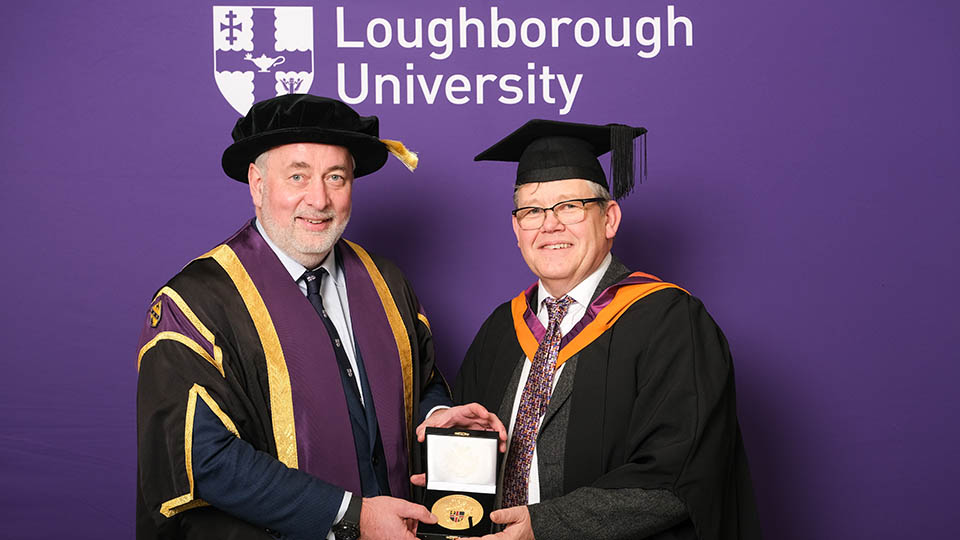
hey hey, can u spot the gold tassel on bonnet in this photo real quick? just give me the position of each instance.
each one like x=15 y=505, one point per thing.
x=401 y=152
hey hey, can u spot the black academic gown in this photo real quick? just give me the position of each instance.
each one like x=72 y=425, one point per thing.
x=231 y=343
x=652 y=406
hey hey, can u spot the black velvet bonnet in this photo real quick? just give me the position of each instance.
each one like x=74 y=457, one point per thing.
x=295 y=118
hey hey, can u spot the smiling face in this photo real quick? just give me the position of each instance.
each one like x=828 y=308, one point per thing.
x=564 y=255
x=302 y=198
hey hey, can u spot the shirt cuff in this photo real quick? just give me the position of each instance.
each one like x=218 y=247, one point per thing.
x=435 y=409
x=343 y=510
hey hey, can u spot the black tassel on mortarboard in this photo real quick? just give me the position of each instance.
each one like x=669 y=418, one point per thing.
x=622 y=165
x=643 y=143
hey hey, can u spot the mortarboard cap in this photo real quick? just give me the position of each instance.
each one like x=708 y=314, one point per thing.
x=548 y=150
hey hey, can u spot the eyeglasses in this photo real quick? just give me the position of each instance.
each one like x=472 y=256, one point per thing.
x=567 y=212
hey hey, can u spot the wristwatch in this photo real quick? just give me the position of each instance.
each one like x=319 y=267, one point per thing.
x=348 y=528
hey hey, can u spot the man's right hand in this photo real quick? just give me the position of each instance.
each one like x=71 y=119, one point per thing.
x=469 y=416
x=389 y=518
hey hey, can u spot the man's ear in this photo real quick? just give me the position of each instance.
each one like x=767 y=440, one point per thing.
x=612 y=220
x=255 y=179
x=516 y=229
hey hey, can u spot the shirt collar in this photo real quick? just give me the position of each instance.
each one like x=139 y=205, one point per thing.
x=583 y=292
x=296 y=269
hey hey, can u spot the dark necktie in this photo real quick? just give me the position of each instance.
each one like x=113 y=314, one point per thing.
x=371 y=459
x=533 y=405
x=313 y=279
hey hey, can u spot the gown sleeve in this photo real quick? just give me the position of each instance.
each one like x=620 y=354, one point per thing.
x=200 y=442
x=681 y=432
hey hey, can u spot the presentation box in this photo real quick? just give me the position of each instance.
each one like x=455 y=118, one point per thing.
x=461 y=482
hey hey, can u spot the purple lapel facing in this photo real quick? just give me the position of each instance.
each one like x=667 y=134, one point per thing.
x=381 y=360
x=325 y=446
x=530 y=315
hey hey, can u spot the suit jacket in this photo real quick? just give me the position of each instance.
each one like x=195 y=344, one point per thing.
x=641 y=423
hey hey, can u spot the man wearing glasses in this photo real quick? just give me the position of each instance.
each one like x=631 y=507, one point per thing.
x=617 y=387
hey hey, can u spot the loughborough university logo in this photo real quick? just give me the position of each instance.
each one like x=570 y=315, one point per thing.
x=262 y=52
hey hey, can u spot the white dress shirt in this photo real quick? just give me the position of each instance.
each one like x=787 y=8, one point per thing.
x=581 y=295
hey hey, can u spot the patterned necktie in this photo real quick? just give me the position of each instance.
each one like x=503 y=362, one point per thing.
x=533 y=405
x=313 y=280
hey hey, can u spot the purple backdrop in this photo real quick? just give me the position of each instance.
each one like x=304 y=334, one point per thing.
x=803 y=183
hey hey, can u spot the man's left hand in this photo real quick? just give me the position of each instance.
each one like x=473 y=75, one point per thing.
x=517 y=521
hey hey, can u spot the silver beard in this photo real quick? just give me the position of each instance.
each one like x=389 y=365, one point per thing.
x=309 y=254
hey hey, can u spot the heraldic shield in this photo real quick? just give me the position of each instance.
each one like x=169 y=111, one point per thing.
x=262 y=52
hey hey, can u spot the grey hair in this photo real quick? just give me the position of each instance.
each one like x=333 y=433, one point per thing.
x=261 y=162
x=599 y=192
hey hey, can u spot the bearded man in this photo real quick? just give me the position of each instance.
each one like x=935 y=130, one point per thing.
x=282 y=372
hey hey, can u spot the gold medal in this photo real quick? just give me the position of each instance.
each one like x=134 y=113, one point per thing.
x=457 y=512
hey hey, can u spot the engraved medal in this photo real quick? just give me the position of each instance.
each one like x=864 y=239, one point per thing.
x=457 y=512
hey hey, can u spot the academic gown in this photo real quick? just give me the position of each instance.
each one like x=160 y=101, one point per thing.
x=648 y=404
x=231 y=347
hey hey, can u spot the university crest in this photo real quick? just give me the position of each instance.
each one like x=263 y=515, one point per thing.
x=262 y=52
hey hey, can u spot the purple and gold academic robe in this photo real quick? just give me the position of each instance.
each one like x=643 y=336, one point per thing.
x=646 y=402
x=232 y=338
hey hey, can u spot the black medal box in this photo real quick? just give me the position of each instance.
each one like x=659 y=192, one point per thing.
x=461 y=482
